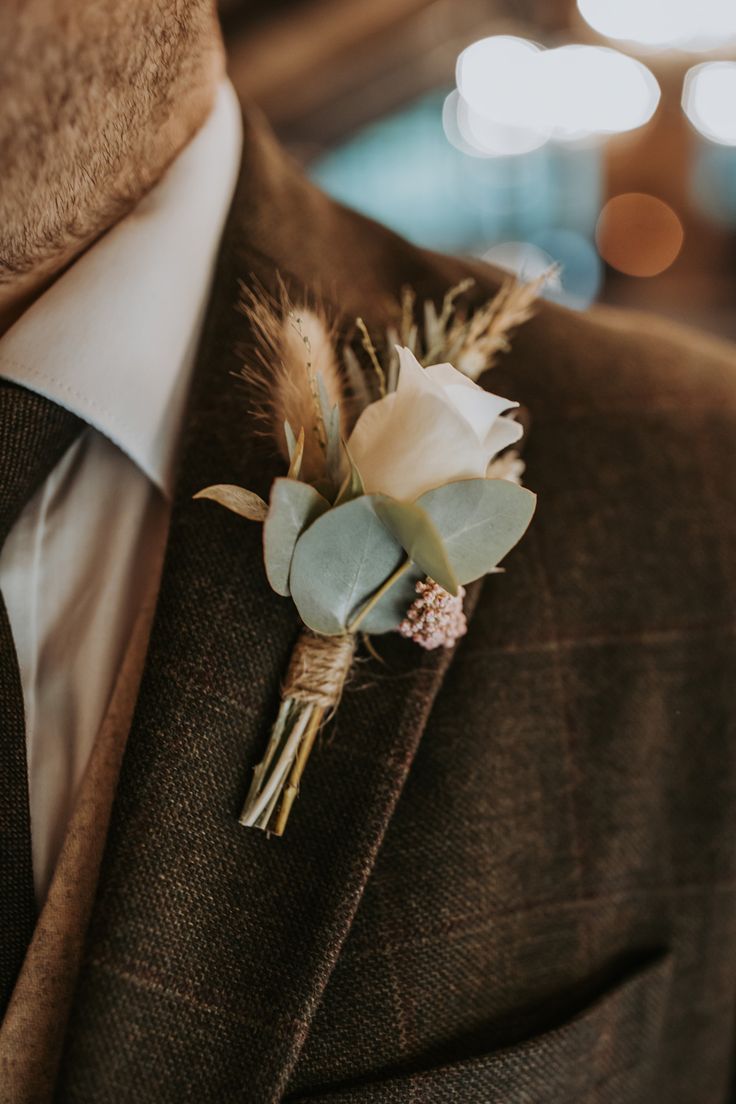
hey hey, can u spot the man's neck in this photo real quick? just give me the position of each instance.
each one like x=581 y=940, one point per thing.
x=18 y=295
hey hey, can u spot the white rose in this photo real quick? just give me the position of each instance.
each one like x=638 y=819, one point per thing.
x=437 y=427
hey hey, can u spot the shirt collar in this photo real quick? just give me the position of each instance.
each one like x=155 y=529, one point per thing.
x=114 y=338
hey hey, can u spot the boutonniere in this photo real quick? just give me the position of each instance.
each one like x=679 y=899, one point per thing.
x=401 y=485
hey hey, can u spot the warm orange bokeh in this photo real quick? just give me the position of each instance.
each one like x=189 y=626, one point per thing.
x=639 y=234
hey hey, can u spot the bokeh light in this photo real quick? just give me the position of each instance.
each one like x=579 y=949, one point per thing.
x=579 y=274
x=513 y=96
x=638 y=234
x=451 y=127
x=498 y=78
x=709 y=100
x=521 y=258
x=595 y=90
x=581 y=270
x=493 y=139
x=687 y=24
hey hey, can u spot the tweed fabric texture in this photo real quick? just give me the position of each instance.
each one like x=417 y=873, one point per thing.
x=510 y=874
x=32 y=1030
x=34 y=435
x=572 y=1062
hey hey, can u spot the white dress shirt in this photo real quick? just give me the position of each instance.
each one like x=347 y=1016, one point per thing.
x=113 y=340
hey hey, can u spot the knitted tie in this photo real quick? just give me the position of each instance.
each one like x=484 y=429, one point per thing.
x=34 y=435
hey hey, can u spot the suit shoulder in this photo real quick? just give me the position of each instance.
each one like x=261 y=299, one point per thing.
x=613 y=362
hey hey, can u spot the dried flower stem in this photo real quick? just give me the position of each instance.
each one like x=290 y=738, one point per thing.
x=282 y=748
x=408 y=299
x=314 y=683
x=371 y=351
x=291 y=789
x=451 y=297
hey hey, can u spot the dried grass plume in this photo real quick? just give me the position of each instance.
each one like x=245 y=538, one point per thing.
x=473 y=343
x=294 y=351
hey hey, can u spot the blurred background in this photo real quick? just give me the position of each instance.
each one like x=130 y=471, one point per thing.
x=600 y=134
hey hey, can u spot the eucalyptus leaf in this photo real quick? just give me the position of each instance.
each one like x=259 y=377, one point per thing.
x=418 y=536
x=480 y=521
x=339 y=563
x=242 y=502
x=391 y=608
x=294 y=506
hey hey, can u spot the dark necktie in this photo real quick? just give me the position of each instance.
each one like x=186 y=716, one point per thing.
x=34 y=435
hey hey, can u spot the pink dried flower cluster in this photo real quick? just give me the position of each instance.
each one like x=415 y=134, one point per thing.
x=435 y=618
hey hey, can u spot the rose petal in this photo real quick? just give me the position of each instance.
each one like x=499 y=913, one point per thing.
x=436 y=428
x=447 y=376
x=479 y=408
x=404 y=448
x=413 y=378
x=503 y=432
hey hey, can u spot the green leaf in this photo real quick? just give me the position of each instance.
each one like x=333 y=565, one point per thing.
x=480 y=521
x=339 y=562
x=392 y=607
x=242 y=502
x=352 y=484
x=334 y=459
x=294 y=506
x=416 y=533
x=324 y=400
x=335 y=462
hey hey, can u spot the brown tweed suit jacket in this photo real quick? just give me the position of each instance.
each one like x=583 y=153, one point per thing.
x=510 y=878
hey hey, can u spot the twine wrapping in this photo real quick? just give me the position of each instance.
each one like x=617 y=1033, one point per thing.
x=318 y=669
x=312 y=690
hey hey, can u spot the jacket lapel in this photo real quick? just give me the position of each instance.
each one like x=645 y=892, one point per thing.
x=210 y=944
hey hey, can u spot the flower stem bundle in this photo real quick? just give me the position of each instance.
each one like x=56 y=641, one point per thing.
x=312 y=690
